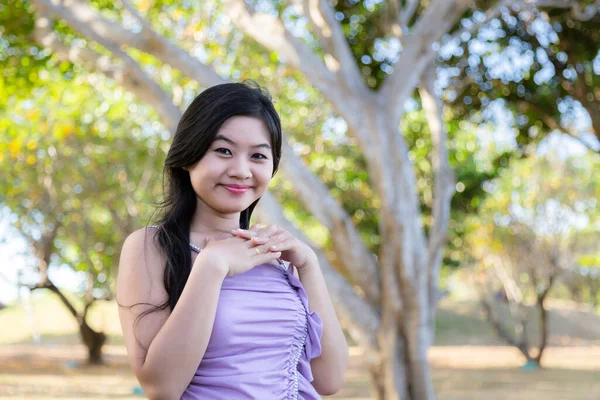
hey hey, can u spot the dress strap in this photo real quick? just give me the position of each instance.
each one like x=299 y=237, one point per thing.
x=192 y=246
x=195 y=248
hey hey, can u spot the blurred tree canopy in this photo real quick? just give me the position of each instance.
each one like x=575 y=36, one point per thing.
x=81 y=168
x=540 y=219
x=353 y=102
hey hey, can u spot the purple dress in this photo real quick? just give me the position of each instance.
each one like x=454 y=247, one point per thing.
x=262 y=340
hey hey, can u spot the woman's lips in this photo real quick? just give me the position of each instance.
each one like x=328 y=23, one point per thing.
x=237 y=189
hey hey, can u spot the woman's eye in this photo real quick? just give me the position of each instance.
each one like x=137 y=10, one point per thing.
x=260 y=156
x=223 y=150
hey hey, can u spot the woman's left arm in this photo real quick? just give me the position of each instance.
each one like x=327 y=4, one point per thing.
x=329 y=370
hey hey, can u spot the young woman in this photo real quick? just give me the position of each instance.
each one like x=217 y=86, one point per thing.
x=208 y=307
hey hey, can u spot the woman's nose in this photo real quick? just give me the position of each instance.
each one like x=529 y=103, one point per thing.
x=240 y=168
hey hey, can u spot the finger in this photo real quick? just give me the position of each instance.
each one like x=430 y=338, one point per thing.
x=256 y=227
x=259 y=249
x=244 y=233
x=279 y=238
x=282 y=246
x=266 y=247
x=258 y=240
x=269 y=230
x=265 y=257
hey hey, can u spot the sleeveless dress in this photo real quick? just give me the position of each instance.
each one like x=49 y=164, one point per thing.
x=262 y=341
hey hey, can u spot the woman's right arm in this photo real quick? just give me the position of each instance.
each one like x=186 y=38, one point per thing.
x=172 y=343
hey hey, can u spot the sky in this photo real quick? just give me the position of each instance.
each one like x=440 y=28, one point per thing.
x=14 y=258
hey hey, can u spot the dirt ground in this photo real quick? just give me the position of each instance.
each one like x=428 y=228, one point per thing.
x=459 y=372
x=468 y=361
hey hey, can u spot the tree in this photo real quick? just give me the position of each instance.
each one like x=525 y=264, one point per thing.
x=387 y=302
x=583 y=280
x=67 y=174
x=552 y=83
x=540 y=218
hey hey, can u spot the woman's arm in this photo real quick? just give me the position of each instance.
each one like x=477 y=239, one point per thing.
x=329 y=370
x=173 y=343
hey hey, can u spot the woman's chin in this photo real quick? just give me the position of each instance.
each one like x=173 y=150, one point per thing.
x=231 y=208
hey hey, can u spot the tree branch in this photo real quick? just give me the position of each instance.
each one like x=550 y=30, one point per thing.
x=501 y=330
x=320 y=14
x=443 y=177
x=577 y=9
x=437 y=19
x=270 y=32
x=407 y=13
x=80 y=14
x=43 y=251
x=130 y=75
x=490 y=14
x=347 y=242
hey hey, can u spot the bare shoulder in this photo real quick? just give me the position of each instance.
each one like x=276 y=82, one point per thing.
x=141 y=267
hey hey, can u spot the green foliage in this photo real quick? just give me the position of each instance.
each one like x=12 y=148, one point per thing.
x=551 y=77
x=75 y=158
x=37 y=84
x=539 y=217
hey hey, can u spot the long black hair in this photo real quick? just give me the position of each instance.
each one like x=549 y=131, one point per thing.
x=194 y=135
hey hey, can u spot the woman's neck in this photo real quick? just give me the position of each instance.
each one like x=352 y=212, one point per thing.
x=207 y=222
x=201 y=232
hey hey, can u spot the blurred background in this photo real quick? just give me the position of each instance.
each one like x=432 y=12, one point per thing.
x=441 y=156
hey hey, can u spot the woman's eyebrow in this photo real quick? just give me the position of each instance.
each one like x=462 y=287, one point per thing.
x=226 y=139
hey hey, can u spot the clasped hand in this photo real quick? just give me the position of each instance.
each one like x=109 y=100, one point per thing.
x=257 y=245
x=280 y=241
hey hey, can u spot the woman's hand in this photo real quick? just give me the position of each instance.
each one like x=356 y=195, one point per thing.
x=237 y=255
x=280 y=240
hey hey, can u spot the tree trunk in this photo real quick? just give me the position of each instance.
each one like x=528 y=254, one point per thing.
x=543 y=329
x=594 y=286
x=389 y=375
x=521 y=343
x=397 y=375
x=93 y=341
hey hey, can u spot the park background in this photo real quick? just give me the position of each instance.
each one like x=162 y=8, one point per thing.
x=441 y=156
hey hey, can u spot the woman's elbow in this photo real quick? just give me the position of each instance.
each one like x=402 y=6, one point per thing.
x=329 y=388
x=155 y=391
x=332 y=384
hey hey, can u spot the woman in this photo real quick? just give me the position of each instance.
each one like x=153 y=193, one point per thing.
x=208 y=308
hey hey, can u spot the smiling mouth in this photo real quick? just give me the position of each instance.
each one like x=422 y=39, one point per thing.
x=237 y=189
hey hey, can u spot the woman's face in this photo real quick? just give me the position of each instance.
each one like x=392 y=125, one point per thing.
x=237 y=168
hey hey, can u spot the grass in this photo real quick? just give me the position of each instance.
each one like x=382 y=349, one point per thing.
x=50 y=318
x=468 y=362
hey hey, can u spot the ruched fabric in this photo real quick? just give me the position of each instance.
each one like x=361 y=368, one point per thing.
x=262 y=341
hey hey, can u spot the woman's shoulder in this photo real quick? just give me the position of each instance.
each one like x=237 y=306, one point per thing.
x=141 y=260
x=142 y=241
